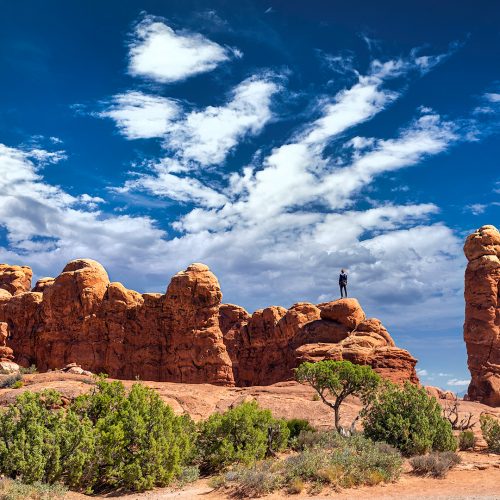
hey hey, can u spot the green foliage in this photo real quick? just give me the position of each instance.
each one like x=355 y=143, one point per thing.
x=298 y=425
x=10 y=380
x=245 y=433
x=17 y=490
x=407 y=418
x=466 y=440
x=350 y=462
x=106 y=439
x=30 y=369
x=491 y=432
x=435 y=464
x=334 y=381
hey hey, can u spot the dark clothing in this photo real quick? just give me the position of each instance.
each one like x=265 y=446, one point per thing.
x=343 y=284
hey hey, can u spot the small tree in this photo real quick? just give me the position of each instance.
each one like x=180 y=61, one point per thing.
x=335 y=380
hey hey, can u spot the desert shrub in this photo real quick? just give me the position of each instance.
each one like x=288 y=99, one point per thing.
x=259 y=479
x=17 y=490
x=17 y=385
x=139 y=442
x=41 y=444
x=491 y=432
x=189 y=474
x=28 y=370
x=104 y=440
x=334 y=381
x=466 y=440
x=353 y=461
x=435 y=464
x=10 y=380
x=407 y=418
x=296 y=426
x=318 y=439
x=244 y=434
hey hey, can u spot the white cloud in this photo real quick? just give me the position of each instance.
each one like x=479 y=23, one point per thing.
x=422 y=372
x=160 y=53
x=46 y=226
x=207 y=136
x=141 y=116
x=476 y=208
x=165 y=181
x=492 y=97
x=457 y=382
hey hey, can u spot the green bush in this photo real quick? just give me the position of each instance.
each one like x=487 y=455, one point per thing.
x=318 y=439
x=244 y=434
x=296 y=426
x=466 y=440
x=106 y=439
x=407 y=418
x=435 y=464
x=351 y=462
x=491 y=432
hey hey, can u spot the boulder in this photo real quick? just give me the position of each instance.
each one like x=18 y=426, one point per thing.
x=347 y=312
x=482 y=314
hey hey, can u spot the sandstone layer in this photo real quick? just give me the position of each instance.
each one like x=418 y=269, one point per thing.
x=185 y=335
x=482 y=314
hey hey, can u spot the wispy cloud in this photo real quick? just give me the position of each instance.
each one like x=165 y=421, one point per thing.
x=141 y=116
x=160 y=53
x=457 y=382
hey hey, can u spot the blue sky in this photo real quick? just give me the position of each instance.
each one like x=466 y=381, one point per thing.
x=275 y=141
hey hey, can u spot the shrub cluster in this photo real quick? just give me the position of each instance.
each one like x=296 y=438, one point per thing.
x=435 y=464
x=491 y=432
x=242 y=434
x=341 y=462
x=105 y=440
x=466 y=440
x=17 y=490
x=407 y=418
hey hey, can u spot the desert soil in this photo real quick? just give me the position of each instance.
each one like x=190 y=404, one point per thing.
x=478 y=476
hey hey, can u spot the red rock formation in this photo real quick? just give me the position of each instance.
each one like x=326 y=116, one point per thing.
x=15 y=279
x=186 y=335
x=482 y=314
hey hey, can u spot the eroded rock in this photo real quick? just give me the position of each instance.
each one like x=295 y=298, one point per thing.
x=482 y=314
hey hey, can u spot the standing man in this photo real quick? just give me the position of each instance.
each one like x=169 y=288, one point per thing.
x=343 y=283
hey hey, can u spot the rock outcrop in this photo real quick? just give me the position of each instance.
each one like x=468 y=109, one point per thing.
x=15 y=279
x=185 y=335
x=482 y=314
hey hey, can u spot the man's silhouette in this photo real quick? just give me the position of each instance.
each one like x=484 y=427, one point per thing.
x=343 y=283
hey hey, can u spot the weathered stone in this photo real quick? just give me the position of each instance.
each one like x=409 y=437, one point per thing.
x=15 y=279
x=482 y=314
x=82 y=321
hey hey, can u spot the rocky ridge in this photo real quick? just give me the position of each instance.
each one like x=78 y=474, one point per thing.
x=185 y=335
x=482 y=314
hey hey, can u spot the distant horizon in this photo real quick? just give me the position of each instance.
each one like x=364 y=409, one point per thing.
x=276 y=142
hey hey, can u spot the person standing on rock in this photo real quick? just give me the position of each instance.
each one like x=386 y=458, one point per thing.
x=343 y=283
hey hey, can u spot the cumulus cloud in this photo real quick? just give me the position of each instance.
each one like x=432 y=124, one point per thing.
x=164 y=55
x=46 y=226
x=141 y=116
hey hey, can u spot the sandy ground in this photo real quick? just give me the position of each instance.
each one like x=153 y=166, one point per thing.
x=478 y=476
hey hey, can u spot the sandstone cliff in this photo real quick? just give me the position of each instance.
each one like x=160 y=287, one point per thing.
x=482 y=314
x=185 y=335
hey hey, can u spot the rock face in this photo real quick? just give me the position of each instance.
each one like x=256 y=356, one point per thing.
x=482 y=314
x=185 y=335
x=15 y=279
